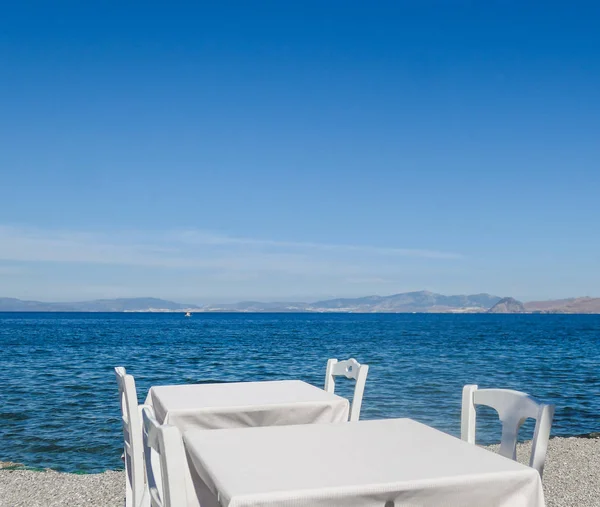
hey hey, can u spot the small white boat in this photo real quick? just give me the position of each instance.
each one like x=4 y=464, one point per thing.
x=188 y=314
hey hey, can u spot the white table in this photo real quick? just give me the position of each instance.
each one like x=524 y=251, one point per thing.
x=245 y=404
x=384 y=463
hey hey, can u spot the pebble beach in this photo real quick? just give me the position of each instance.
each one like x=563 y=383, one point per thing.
x=571 y=479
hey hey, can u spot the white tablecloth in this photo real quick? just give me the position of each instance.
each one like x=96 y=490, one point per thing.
x=245 y=404
x=393 y=462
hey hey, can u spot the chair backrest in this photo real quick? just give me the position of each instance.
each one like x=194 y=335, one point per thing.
x=513 y=408
x=165 y=475
x=350 y=369
x=132 y=436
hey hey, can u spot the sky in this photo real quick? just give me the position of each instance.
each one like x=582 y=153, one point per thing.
x=224 y=151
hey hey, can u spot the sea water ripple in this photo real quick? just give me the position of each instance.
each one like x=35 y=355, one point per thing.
x=58 y=395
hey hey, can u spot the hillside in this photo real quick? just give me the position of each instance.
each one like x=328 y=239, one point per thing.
x=573 y=305
x=508 y=305
x=421 y=301
x=408 y=302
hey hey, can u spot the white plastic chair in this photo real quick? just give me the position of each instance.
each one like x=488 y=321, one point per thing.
x=350 y=369
x=513 y=408
x=132 y=436
x=166 y=486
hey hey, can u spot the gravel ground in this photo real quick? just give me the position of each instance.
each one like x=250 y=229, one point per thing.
x=571 y=479
x=25 y=488
x=571 y=473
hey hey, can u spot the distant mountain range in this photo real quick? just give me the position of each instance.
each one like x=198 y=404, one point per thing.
x=408 y=302
x=98 y=305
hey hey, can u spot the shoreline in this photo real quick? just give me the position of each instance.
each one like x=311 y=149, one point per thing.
x=570 y=479
x=11 y=465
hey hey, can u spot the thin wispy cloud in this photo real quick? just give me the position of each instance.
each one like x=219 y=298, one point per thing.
x=203 y=238
x=170 y=249
x=11 y=270
x=212 y=258
x=200 y=265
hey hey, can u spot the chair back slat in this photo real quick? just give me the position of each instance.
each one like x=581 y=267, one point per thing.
x=351 y=369
x=132 y=439
x=513 y=408
x=165 y=462
x=541 y=437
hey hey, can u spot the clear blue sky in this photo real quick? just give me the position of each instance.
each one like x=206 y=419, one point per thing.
x=285 y=150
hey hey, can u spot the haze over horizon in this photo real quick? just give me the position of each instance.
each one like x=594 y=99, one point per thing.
x=299 y=151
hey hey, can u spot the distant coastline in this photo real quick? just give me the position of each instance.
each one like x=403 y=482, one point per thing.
x=408 y=302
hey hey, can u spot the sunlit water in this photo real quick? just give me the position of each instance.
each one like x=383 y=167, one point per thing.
x=58 y=395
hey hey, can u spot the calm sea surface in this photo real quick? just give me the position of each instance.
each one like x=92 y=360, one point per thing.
x=58 y=394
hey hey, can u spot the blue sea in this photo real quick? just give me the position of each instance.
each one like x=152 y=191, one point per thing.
x=58 y=395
